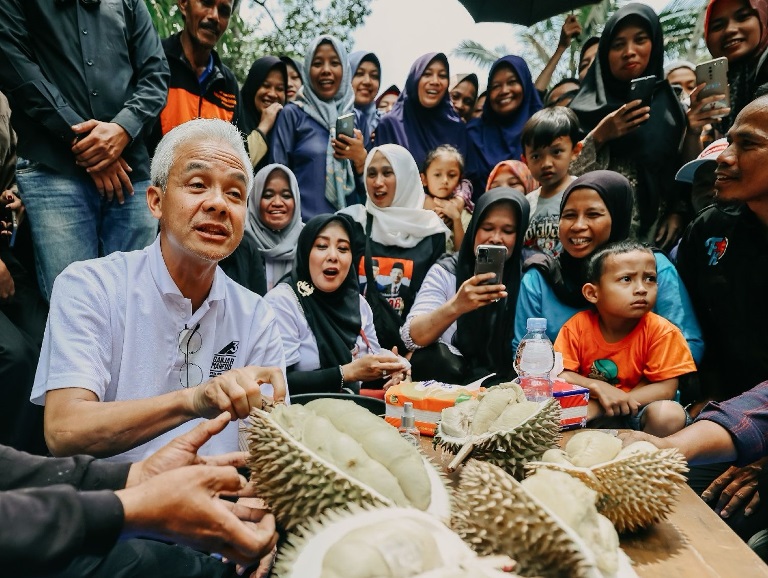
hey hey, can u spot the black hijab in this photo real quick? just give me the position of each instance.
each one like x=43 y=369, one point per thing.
x=249 y=115
x=655 y=144
x=484 y=336
x=566 y=273
x=333 y=318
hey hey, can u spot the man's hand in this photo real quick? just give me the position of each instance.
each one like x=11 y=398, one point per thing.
x=614 y=401
x=183 y=506
x=182 y=451
x=7 y=286
x=237 y=391
x=103 y=144
x=112 y=180
x=631 y=437
x=736 y=488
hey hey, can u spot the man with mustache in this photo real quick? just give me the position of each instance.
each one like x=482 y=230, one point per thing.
x=201 y=85
x=140 y=345
x=723 y=260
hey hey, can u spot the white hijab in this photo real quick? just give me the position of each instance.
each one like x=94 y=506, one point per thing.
x=276 y=246
x=405 y=222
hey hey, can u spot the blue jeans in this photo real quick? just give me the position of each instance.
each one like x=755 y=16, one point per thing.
x=71 y=222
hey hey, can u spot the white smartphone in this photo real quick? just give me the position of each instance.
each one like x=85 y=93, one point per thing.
x=715 y=74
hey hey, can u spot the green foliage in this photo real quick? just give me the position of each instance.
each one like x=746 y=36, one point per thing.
x=279 y=27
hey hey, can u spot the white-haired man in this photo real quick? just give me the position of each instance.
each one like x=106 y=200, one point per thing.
x=138 y=345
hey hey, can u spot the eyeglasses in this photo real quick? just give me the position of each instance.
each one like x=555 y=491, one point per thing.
x=190 y=342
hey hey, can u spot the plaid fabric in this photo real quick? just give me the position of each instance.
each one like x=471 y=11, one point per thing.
x=746 y=418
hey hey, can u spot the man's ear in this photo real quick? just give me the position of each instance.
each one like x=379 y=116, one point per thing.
x=182 y=4
x=590 y=292
x=155 y=201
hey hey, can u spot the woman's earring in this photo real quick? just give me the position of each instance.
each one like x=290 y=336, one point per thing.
x=305 y=289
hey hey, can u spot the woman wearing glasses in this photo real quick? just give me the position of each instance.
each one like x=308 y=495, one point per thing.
x=329 y=340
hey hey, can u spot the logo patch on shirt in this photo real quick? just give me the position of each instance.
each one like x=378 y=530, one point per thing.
x=224 y=359
x=604 y=370
x=716 y=247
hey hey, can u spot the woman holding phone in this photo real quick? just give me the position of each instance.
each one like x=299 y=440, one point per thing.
x=639 y=141
x=304 y=137
x=460 y=322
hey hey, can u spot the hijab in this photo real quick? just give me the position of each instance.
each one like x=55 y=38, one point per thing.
x=368 y=116
x=484 y=336
x=493 y=137
x=405 y=222
x=249 y=114
x=457 y=79
x=339 y=174
x=520 y=170
x=565 y=274
x=391 y=90
x=421 y=129
x=333 y=318
x=276 y=246
x=654 y=145
x=744 y=75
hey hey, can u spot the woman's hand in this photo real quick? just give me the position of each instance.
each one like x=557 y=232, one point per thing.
x=669 y=230
x=472 y=295
x=621 y=121
x=352 y=149
x=570 y=30
x=372 y=367
x=698 y=118
x=268 y=117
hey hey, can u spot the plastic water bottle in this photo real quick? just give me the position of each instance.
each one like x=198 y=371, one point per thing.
x=534 y=359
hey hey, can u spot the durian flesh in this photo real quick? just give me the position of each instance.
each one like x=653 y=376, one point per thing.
x=304 y=464
x=381 y=543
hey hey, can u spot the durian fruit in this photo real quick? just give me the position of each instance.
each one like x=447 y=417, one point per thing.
x=330 y=453
x=382 y=543
x=637 y=486
x=548 y=523
x=501 y=427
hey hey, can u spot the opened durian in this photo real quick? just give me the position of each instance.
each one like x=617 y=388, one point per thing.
x=548 y=523
x=331 y=453
x=382 y=543
x=501 y=427
x=637 y=485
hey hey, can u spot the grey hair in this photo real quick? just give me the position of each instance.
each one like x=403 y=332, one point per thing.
x=209 y=129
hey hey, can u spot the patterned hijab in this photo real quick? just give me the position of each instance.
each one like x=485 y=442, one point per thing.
x=339 y=174
x=520 y=170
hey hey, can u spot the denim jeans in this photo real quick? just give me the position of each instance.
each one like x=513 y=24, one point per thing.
x=71 y=222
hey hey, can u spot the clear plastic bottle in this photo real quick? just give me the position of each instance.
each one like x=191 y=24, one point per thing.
x=408 y=428
x=534 y=359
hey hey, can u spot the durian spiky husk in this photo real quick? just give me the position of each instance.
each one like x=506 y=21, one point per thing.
x=297 y=483
x=495 y=515
x=381 y=542
x=512 y=449
x=634 y=491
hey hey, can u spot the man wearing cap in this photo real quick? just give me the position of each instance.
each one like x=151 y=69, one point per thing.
x=723 y=260
x=700 y=174
x=139 y=346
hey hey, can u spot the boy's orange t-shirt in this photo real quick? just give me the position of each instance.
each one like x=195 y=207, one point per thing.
x=655 y=349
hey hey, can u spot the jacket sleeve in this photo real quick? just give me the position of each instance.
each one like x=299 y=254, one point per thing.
x=152 y=73
x=23 y=80
x=45 y=521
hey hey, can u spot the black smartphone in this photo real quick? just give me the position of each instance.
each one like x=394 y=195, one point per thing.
x=345 y=125
x=715 y=74
x=490 y=259
x=642 y=89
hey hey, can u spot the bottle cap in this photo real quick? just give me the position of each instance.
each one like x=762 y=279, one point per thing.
x=409 y=419
x=536 y=324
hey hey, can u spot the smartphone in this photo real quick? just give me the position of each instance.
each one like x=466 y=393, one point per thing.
x=642 y=89
x=15 y=225
x=345 y=125
x=490 y=259
x=715 y=74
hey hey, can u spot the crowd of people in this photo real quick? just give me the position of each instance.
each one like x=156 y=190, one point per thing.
x=176 y=249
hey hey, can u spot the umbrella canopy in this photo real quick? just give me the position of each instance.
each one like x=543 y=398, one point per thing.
x=525 y=12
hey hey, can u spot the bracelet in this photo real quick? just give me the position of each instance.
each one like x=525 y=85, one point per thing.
x=341 y=372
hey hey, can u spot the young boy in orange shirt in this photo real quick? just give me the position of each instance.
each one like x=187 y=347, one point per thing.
x=628 y=357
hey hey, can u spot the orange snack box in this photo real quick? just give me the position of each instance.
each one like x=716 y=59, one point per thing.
x=429 y=399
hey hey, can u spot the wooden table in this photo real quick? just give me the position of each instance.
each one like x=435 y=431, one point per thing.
x=692 y=542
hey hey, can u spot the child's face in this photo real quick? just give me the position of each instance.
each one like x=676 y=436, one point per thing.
x=549 y=164
x=627 y=288
x=506 y=178
x=442 y=176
